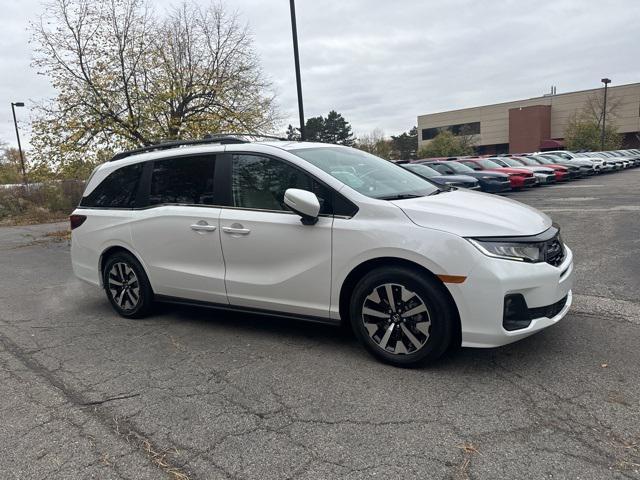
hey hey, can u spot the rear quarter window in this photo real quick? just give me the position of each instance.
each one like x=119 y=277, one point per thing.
x=117 y=190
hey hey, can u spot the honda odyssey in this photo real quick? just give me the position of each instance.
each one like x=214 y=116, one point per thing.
x=320 y=232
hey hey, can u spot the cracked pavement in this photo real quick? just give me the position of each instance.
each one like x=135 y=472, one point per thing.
x=200 y=394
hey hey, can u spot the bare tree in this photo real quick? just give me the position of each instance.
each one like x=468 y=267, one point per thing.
x=594 y=107
x=375 y=143
x=125 y=77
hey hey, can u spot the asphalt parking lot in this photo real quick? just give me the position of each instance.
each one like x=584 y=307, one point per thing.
x=199 y=394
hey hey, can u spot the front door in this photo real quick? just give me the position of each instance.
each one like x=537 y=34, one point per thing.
x=273 y=261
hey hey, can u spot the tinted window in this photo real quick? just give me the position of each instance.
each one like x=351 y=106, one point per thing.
x=260 y=182
x=118 y=190
x=187 y=180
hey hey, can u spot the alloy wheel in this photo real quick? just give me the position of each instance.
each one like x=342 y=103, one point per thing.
x=396 y=319
x=124 y=286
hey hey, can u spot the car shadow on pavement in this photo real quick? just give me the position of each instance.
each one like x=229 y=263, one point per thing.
x=241 y=325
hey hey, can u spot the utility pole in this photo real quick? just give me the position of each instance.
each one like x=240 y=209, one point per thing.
x=15 y=122
x=606 y=82
x=296 y=57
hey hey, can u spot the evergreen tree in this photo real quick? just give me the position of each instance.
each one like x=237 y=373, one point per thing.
x=337 y=130
x=293 y=133
x=314 y=129
x=332 y=129
x=405 y=145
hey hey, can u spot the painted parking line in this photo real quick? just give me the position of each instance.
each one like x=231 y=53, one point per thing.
x=573 y=186
x=573 y=199
x=619 y=208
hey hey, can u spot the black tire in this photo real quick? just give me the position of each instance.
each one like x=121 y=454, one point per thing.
x=431 y=327
x=117 y=269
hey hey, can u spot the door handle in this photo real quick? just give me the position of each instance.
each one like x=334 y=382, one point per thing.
x=236 y=229
x=203 y=226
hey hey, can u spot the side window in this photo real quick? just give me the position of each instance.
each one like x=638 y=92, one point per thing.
x=471 y=165
x=260 y=182
x=118 y=190
x=185 y=180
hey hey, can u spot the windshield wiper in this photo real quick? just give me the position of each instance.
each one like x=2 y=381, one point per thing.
x=401 y=196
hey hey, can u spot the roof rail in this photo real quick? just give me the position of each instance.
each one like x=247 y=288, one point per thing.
x=244 y=134
x=220 y=138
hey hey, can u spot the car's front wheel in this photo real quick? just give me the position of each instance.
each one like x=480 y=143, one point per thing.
x=401 y=316
x=127 y=286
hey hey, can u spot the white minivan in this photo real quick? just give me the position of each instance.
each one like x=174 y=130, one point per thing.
x=320 y=232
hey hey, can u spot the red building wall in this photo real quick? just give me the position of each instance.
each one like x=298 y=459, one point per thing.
x=528 y=126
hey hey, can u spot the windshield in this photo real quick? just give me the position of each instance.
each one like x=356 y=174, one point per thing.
x=367 y=174
x=487 y=163
x=540 y=160
x=460 y=168
x=528 y=161
x=421 y=170
x=511 y=162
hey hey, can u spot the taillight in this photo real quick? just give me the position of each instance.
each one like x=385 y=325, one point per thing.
x=76 y=220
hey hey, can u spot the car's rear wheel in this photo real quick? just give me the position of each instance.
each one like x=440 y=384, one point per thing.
x=127 y=286
x=402 y=316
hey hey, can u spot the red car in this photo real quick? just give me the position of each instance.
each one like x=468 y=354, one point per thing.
x=561 y=172
x=518 y=177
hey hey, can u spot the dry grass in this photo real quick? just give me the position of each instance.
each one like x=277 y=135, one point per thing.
x=159 y=458
x=468 y=450
x=59 y=235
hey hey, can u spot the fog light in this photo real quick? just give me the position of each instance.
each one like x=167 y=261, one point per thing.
x=516 y=313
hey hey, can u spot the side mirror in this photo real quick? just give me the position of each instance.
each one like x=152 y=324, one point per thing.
x=304 y=203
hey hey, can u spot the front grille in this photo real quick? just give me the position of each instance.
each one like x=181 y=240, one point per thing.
x=554 y=251
x=549 y=311
x=529 y=180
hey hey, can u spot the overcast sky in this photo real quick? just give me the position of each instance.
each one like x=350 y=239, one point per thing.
x=382 y=63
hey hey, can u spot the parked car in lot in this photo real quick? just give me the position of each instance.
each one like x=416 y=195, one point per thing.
x=544 y=175
x=519 y=177
x=561 y=172
x=587 y=167
x=571 y=171
x=320 y=232
x=429 y=173
x=597 y=164
x=599 y=157
x=491 y=182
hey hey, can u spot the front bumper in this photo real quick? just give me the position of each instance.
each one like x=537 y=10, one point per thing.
x=491 y=186
x=480 y=299
x=545 y=179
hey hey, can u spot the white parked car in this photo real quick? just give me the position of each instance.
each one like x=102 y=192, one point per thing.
x=599 y=164
x=320 y=232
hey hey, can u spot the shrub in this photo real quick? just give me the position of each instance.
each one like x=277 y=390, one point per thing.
x=40 y=202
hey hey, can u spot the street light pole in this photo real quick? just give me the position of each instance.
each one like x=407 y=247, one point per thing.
x=296 y=57
x=606 y=82
x=15 y=122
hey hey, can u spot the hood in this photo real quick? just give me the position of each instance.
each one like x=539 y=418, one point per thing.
x=556 y=166
x=582 y=163
x=454 y=178
x=471 y=214
x=487 y=173
x=539 y=169
x=512 y=170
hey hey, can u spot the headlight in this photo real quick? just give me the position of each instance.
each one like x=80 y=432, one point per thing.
x=489 y=178
x=521 y=252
